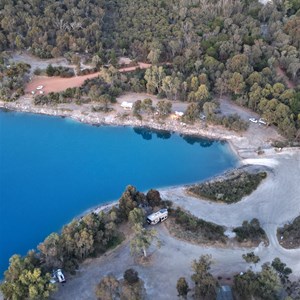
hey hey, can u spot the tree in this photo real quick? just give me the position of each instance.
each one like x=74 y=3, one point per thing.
x=245 y=284
x=131 y=276
x=153 y=198
x=281 y=269
x=164 y=107
x=236 y=83
x=205 y=283
x=182 y=287
x=209 y=109
x=142 y=240
x=50 y=70
x=129 y=200
x=202 y=94
x=136 y=216
x=147 y=105
x=25 y=280
x=268 y=283
x=137 y=107
x=154 y=56
x=132 y=286
x=251 y=258
x=154 y=77
x=192 y=113
x=108 y=288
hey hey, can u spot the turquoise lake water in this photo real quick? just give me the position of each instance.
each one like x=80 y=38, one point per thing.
x=53 y=169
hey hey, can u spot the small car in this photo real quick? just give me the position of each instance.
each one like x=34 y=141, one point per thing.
x=253 y=120
x=60 y=276
x=262 y=121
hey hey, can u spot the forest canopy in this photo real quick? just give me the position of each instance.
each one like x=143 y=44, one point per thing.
x=238 y=48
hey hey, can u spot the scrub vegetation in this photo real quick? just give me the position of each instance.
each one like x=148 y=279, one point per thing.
x=231 y=189
x=186 y=226
x=290 y=234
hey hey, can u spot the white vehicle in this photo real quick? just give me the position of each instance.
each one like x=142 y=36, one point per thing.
x=253 y=120
x=59 y=275
x=39 y=87
x=262 y=121
x=158 y=216
x=127 y=105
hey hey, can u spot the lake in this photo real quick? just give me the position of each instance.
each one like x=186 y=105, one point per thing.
x=53 y=169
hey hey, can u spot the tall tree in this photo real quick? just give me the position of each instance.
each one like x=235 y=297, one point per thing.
x=205 y=283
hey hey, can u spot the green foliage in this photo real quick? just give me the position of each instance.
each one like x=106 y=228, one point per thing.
x=205 y=283
x=153 y=198
x=25 y=280
x=263 y=285
x=250 y=231
x=182 y=287
x=131 y=276
x=291 y=233
x=12 y=80
x=108 y=288
x=251 y=258
x=232 y=122
x=281 y=268
x=136 y=216
x=59 y=71
x=195 y=228
x=231 y=189
x=142 y=240
x=164 y=108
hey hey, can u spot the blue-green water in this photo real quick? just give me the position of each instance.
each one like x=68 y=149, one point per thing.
x=53 y=169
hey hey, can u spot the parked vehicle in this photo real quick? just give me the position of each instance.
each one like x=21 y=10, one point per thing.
x=262 y=121
x=58 y=276
x=158 y=216
x=253 y=120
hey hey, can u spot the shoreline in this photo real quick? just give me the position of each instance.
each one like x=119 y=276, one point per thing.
x=78 y=114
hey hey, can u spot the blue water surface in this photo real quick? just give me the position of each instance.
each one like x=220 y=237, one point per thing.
x=53 y=169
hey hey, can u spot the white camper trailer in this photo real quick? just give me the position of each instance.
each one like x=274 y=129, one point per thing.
x=158 y=216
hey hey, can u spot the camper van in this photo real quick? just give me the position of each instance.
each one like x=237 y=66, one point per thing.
x=158 y=216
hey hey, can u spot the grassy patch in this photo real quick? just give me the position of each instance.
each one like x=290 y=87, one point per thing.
x=185 y=226
x=231 y=189
x=290 y=234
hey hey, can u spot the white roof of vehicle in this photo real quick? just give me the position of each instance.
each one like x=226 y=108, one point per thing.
x=157 y=214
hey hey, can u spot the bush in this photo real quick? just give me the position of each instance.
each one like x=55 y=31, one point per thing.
x=250 y=231
x=232 y=189
x=131 y=276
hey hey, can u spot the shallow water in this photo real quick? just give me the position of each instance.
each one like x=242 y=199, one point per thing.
x=52 y=169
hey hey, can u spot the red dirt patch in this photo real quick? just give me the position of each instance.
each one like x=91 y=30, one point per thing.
x=58 y=84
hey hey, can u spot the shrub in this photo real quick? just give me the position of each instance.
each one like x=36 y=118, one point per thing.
x=232 y=189
x=250 y=231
